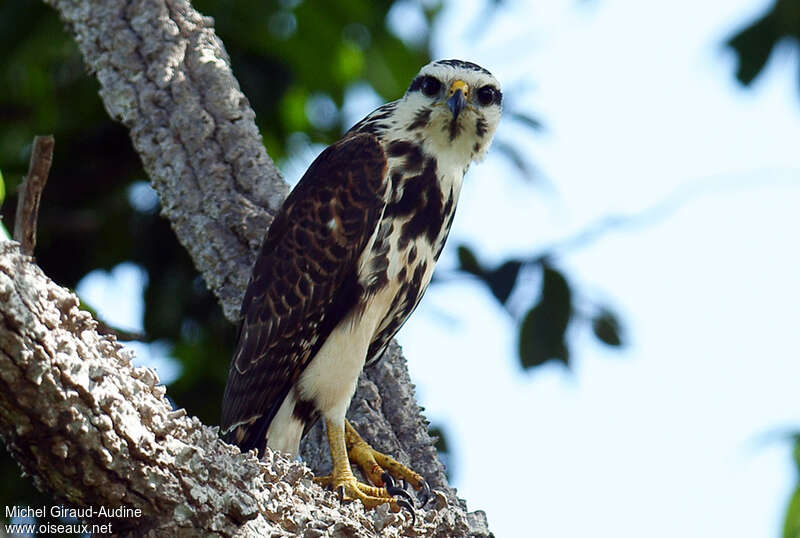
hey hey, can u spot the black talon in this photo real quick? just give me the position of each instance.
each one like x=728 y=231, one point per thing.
x=395 y=491
x=407 y=506
x=340 y=491
x=405 y=484
x=426 y=496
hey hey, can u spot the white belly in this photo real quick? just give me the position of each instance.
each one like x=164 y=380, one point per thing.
x=330 y=379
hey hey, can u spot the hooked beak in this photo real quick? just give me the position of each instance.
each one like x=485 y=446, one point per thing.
x=457 y=97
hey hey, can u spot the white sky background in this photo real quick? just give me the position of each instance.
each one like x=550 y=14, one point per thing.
x=663 y=438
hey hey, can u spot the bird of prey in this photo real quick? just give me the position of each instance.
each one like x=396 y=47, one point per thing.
x=345 y=262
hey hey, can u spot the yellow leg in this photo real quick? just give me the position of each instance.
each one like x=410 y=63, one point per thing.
x=374 y=463
x=342 y=479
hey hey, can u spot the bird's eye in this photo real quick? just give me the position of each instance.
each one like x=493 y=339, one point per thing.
x=431 y=86
x=488 y=94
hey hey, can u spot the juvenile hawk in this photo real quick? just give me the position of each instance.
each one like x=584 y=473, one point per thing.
x=344 y=264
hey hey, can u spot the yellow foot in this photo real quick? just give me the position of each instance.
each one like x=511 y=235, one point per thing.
x=379 y=467
x=350 y=489
x=343 y=438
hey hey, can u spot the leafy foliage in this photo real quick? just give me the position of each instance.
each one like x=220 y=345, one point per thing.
x=543 y=328
x=754 y=44
x=606 y=328
x=791 y=525
x=543 y=332
x=500 y=280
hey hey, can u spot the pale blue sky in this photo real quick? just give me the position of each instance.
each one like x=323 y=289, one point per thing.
x=662 y=437
x=640 y=102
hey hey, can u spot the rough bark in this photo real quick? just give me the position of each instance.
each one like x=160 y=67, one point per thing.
x=95 y=431
x=165 y=75
x=91 y=429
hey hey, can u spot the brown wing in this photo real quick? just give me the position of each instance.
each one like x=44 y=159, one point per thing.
x=304 y=282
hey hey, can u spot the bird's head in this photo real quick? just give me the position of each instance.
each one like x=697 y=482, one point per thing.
x=455 y=107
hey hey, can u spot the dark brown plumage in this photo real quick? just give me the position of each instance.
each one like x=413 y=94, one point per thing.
x=304 y=282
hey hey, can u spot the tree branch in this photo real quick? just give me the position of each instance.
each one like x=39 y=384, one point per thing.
x=165 y=75
x=91 y=429
x=30 y=193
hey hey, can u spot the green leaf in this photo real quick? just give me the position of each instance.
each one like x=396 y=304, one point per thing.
x=753 y=46
x=349 y=62
x=542 y=335
x=501 y=281
x=540 y=340
x=293 y=110
x=607 y=329
x=468 y=262
x=555 y=289
x=791 y=525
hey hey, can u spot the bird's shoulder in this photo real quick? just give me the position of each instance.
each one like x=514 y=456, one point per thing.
x=347 y=174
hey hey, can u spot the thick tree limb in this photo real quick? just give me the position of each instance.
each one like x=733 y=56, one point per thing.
x=96 y=431
x=165 y=75
x=90 y=428
x=93 y=430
